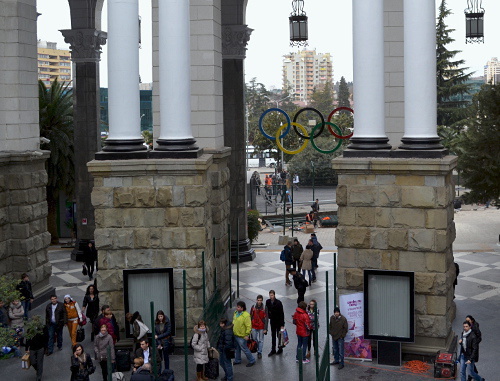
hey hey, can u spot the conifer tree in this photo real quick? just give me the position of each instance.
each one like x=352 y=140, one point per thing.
x=451 y=76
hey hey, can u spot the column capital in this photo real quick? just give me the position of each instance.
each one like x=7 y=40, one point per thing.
x=85 y=44
x=234 y=41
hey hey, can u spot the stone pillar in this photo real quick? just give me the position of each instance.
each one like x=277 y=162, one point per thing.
x=160 y=213
x=397 y=214
x=420 y=88
x=24 y=238
x=175 y=78
x=234 y=41
x=368 y=57
x=123 y=77
x=85 y=39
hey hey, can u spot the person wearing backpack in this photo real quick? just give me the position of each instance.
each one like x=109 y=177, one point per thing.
x=200 y=345
x=259 y=318
x=226 y=347
x=287 y=257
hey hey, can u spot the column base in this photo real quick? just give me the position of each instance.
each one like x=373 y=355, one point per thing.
x=176 y=145
x=369 y=144
x=124 y=145
x=247 y=254
x=421 y=143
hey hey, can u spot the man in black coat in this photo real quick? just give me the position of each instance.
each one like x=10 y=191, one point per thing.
x=146 y=352
x=275 y=313
x=24 y=287
x=469 y=353
x=143 y=374
x=288 y=262
x=55 y=319
x=300 y=284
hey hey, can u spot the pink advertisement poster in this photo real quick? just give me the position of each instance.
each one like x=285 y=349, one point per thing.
x=351 y=306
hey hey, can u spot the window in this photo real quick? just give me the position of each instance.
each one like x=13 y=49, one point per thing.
x=43 y=56
x=143 y=286
x=389 y=305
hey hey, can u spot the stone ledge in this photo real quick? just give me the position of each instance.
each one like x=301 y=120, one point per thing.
x=415 y=166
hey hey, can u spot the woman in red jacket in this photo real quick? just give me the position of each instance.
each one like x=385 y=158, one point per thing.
x=303 y=323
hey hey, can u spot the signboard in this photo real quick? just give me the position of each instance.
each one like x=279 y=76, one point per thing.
x=355 y=346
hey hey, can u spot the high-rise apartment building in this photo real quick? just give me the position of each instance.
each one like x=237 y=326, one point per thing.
x=492 y=71
x=305 y=70
x=53 y=63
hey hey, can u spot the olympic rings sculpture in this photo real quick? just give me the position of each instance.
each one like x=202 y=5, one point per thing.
x=316 y=131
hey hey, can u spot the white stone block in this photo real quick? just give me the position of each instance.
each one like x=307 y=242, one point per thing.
x=395 y=18
x=397 y=109
x=394 y=64
x=393 y=33
x=396 y=79
x=396 y=49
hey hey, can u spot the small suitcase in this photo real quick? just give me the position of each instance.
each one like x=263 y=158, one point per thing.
x=80 y=335
x=212 y=369
x=122 y=360
x=166 y=375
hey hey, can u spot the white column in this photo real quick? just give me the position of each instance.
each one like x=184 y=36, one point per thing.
x=420 y=87
x=174 y=74
x=368 y=57
x=123 y=77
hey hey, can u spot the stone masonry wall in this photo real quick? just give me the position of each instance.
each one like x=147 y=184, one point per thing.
x=23 y=218
x=397 y=214
x=159 y=214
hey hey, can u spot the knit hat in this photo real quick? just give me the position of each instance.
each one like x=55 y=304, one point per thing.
x=336 y=309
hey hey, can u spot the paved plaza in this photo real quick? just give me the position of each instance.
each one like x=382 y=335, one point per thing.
x=477 y=293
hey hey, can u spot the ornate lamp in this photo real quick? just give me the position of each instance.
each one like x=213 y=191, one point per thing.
x=474 y=21
x=298 y=24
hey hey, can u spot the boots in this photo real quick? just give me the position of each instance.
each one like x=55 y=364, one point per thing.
x=198 y=376
x=203 y=377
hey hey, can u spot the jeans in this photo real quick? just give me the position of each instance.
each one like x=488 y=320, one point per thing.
x=258 y=336
x=242 y=346
x=470 y=367
x=166 y=357
x=338 y=350
x=226 y=365
x=26 y=306
x=104 y=369
x=36 y=358
x=309 y=273
x=302 y=344
x=54 y=329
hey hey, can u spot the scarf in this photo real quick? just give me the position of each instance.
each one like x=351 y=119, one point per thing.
x=464 y=339
x=82 y=360
x=238 y=314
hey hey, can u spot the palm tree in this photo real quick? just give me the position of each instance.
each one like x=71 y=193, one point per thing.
x=56 y=124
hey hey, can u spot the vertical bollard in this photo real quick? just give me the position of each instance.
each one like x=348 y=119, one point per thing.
x=229 y=264
x=301 y=365
x=292 y=207
x=283 y=198
x=109 y=365
x=238 y=259
x=315 y=333
x=153 y=340
x=327 y=323
x=334 y=280
x=184 y=292
x=203 y=281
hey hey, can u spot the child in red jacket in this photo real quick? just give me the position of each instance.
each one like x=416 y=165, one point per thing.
x=303 y=322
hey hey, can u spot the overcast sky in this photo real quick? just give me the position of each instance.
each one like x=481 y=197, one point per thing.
x=330 y=26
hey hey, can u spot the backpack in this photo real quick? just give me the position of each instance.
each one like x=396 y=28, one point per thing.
x=197 y=341
x=282 y=256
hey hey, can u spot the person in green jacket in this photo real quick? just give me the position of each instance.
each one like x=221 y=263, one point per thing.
x=242 y=326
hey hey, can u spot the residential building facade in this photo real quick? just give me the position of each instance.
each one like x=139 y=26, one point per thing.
x=53 y=63
x=305 y=70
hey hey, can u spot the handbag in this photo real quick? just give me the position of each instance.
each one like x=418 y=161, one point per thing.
x=84 y=270
x=252 y=345
x=80 y=334
x=25 y=361
x=83 y=320
x=143 y=329
x=283 y=339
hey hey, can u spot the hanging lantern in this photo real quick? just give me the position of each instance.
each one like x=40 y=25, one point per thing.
x=298 y=24
x=474 y=21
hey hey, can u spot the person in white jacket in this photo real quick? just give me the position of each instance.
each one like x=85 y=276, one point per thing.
x=74 y=314
x=16 y=314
